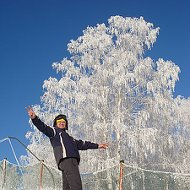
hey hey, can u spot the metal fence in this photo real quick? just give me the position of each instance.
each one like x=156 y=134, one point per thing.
x=118 y=177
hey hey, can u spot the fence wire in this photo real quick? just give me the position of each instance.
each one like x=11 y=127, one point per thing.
x=119 y=177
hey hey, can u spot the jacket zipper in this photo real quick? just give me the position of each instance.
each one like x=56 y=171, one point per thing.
x=63 y=147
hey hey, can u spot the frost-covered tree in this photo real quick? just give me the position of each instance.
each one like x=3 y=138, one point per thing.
x=111 y=92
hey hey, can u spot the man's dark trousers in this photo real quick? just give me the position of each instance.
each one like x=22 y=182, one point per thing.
x=70 y=174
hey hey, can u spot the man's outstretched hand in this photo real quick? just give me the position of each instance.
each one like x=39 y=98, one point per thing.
x=31 y=112
x=104 y=145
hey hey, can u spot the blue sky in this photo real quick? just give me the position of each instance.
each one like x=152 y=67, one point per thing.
x=35 y=33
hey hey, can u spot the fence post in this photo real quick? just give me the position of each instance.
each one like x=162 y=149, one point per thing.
x=121 y=175
x=4 y=171
x=166 y=181
x=41 y=174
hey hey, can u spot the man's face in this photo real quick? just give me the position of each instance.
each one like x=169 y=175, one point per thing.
x=61 y=123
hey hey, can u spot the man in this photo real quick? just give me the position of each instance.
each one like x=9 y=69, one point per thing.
x=65 y=149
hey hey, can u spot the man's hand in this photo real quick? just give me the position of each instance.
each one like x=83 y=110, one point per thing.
x=104 y=145
x=31 y=113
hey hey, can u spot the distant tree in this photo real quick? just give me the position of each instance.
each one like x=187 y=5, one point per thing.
x=112 y=92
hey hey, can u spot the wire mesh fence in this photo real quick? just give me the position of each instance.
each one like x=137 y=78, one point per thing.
x=119 y=177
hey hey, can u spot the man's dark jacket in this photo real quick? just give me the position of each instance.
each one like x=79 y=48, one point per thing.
x=63 y=144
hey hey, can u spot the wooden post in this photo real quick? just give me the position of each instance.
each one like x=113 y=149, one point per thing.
x=41 y=174
x=166 y=181
x=4 y=172
x=121 y=175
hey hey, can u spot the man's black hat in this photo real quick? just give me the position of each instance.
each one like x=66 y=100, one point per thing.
x=61 y=116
